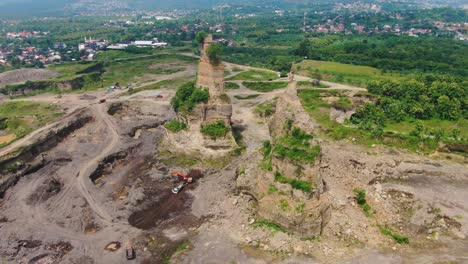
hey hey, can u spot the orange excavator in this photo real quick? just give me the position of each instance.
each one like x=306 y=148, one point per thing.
x=184 y=181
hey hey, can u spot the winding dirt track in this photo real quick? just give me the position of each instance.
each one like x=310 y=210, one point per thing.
x=83 y=177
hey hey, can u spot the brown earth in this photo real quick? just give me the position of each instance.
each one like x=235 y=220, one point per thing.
x=57 y=214
x=23 y=75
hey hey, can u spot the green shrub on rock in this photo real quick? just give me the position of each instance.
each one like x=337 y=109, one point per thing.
x=216 y=129
x=175 y=126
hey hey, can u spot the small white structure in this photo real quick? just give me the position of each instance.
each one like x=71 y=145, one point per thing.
x=117 y=46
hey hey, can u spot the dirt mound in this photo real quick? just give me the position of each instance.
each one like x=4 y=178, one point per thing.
x=170 y=208
x=23 y=75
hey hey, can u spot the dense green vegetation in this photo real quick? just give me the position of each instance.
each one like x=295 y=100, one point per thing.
x=175 y=125
x=215 y=52
x=265 y=86
x=424 y=135
x=187 y=97
x=215 y=129
x=397 y=53
x=430 y=97
x=295 y=146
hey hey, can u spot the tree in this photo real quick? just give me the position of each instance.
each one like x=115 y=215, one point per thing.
x=215 y=52
x=200 y=37
x=418 y=130
x=370 y=118
x=456 y=133
x=448 y=109
x=303 y=49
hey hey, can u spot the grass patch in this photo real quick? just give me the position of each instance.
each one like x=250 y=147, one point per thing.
x=246 y=97
x=22 y=117
x=178 y=159
x=300 y=208
x=239 y=138
x=343 y=73
x=231 y=86
x=306 y=84
x=304 y=186
x=362 y=202
x=343 y=103
x=447 y=125
x=266 y=109
x=265 y=86
x=255 y=75
x=284 y=205
x=266 y=150
x=166 y=71
x=183 y=246
x=272 y=189
x=175 y=126
x=395 y=236
x=268 y=225
x=295 y=146
x=172 y=83
x=311 y=238
x=215 y=130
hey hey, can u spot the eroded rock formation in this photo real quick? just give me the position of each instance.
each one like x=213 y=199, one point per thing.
x=211 y=77
x=289 y=188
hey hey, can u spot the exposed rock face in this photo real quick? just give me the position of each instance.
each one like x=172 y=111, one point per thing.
x=296 y=210
x=210 y=76
x=32 y=153
x=219 y=107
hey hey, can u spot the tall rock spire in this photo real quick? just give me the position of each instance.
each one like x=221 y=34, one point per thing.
x=210 y=76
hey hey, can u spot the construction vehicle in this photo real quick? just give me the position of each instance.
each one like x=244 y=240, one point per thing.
x=130 y=253
x=184 y=181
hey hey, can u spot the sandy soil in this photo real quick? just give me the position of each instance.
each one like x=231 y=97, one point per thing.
x=23 y=75
x=106 y=182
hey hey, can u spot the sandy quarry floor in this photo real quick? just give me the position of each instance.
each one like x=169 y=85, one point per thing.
x=107 y=182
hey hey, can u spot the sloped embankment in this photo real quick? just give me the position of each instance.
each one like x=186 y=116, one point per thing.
x=23 y=75
x=28 y=159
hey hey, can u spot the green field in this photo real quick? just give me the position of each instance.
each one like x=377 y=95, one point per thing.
x=395 y=134
x=343 y=73
x=265 y=86
x=17 y=119
x=231 y=86
x=102 y=74
x=255 y=75
x=172 y=83
x=446 y=125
